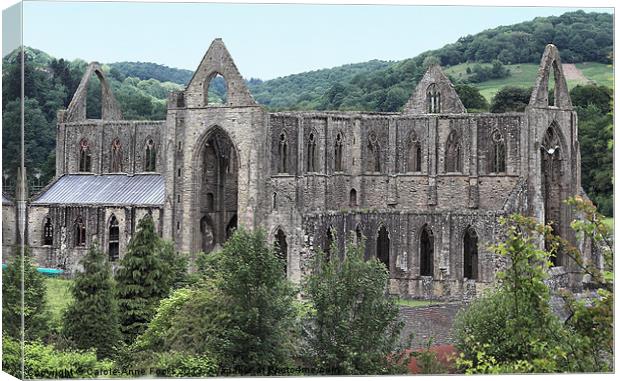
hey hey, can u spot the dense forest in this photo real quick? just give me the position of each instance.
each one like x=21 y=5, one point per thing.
x=142 y=88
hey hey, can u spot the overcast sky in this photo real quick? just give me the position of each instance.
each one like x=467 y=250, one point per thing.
x=266 y=41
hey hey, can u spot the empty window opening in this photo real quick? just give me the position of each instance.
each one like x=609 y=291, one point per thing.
x=217 y=90
x=210 y=202
x=79 y=232
x=274 y=201
x=426 y=252
x=454 y=162
x=414 y=154
x=179 y=172
x=353 y=198
x=498 y=153
x=374 y=154
x=311 y=165
x=150 y=156
x=383 y=247
x=48 y=232
x=283 y=154
x=552 y=186
x=93 y=98
x=85 y=157
x=113 y=239
x=338 y=153
x=329 y=242
x=181 y=99
x=231 y=227
x=116 y=156
x=433 y=99
x=281 y=248
x=358 y=235
x=470 y=254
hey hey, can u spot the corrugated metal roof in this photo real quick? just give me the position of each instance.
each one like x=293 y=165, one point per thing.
x=105 y=190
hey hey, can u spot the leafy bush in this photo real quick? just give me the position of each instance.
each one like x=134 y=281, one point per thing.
x=353 y=327
x=35 y=312
x=91 y=321
x=511 y=98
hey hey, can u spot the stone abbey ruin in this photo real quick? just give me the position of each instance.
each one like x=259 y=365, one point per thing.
x=424 y=188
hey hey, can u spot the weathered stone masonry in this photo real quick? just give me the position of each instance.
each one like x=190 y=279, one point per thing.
x=423 y=188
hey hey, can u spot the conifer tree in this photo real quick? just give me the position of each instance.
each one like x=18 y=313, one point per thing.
x=91 y=321
x=142 y=280
x=34 y=309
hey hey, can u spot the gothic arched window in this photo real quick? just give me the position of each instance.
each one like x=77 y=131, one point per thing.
x=433 y=99
x=85 y=159
x=48 y=232
x=498 y=153
x=383 y=247
x=470 y=254
x=353 y=197
x=79 y=232
x=116 y=157
x=150 y=156
x=338 y=153
x=113 y=239
x=454 y=162
x=283 y=153
x=414 y=154
x=426 y=252
x=311 y=165
x=374 y=153
x=281 y=248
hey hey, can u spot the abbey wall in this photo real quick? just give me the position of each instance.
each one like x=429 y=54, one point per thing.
x=423 y=188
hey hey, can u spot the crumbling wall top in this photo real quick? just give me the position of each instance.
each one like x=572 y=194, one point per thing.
x=540 y=94
x=434 y=94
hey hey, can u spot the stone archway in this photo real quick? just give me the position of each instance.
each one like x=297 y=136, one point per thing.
x=217 y=184
x=552 y=183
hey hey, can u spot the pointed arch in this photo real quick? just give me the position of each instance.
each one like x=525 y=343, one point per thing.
x=497 y=157
x=352 y=198
x=454 y=160
x=383 y=246
x=84 y=163
x=216 y=88
x=433 y=99
x=426 y=251
x=150 y=155
x=110 y=109
x=113 y=239
x=338 y=144
x=373 y=160
x=540 y=94
x=283 y=153
x=116 y=156
x=414 y=153
x=552 y=149
x=79 y=232
x=470 y=254
x=311 y=154
x=281 y=248
x=48 y=232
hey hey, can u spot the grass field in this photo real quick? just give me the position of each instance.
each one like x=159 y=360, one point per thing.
x=610 y=223
x=524 y=75
x=58 y=296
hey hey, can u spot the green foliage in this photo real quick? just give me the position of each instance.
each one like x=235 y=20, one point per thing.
x=427 y=360
x=91 y=321
x=481 y=73
x=593 y=106
x=43 y=361
x=511 y=98
x=142 y=280
x=471 y=98
x=149 y=70
x=34 y=310
x=58 y=297
x=241 y=314
x=175 y=364
x=512 y=330
x=354 y=327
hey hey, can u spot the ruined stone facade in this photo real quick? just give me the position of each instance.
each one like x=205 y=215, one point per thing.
x=423 y=188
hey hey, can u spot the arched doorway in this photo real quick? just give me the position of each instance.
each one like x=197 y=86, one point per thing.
x=470 y=254
x=383 y=247
x=217 y=178
x=281 y=248
x=426 y=252
x=551 y=184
